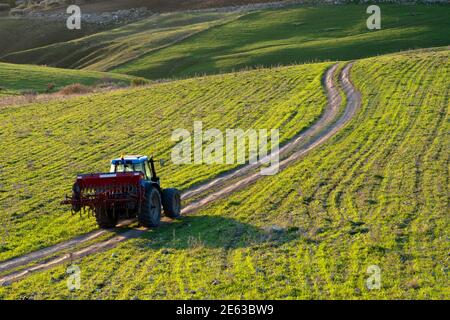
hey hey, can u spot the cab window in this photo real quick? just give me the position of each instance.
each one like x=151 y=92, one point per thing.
x=139 y=167
x=128 y=167
x=147 y=170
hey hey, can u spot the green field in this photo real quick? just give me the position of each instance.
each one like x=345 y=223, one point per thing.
x=185 y=44
x=15 y=78
x=375 y=194
x=17 y=34
x=60 y=139
x=301 y=34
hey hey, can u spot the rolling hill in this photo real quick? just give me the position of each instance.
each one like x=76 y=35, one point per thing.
x=296 y=34
x=18 y=34
x=109 y=49
x=16 y=78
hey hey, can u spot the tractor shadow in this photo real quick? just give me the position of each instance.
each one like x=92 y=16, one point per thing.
x=191 y=232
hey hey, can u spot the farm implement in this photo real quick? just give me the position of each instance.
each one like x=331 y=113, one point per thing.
x=130 y=190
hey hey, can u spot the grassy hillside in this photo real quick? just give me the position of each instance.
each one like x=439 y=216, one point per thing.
x=17 y=34
x=376 y=194
x=171 y=45
x=16 y=78
x=112 y=48
x=300 y=34
x=61 y=139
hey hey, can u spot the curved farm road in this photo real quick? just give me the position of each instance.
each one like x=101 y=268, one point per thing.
x=328 y=125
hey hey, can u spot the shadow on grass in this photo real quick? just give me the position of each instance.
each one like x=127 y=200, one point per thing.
x=212 y=232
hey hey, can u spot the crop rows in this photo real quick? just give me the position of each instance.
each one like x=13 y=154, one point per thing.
x=48 y=144
x=17 y=79
x=375 y=194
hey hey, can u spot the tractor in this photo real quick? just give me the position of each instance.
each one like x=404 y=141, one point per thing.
x=130 y=190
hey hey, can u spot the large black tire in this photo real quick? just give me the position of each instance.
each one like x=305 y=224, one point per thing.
x=106 y=218
x=150 y=214
x=76 y=195
x=171 y=201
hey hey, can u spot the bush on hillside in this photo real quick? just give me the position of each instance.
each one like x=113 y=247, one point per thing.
x=138 y=82
x=75 y=88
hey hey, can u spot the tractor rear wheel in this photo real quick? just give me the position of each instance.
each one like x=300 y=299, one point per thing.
x=150 y=214
x=106 y=218
x=171 y=201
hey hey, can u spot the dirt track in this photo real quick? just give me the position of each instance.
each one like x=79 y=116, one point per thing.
x=328 y=125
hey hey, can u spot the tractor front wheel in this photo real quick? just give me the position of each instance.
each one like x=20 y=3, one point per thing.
x=150 y=213
x=171 y=201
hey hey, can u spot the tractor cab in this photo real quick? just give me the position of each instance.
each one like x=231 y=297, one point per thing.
x=135 y=163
